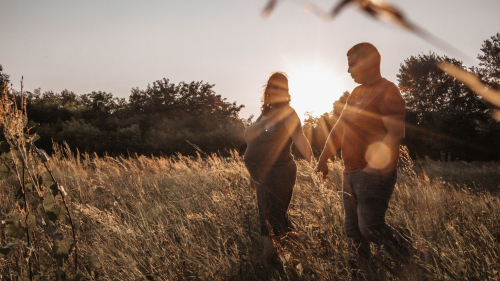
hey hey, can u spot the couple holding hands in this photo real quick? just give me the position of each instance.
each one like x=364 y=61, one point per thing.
x=369 y=132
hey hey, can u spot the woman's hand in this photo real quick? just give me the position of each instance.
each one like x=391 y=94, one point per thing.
x=313 y=163
x=322 y=168
x=252 y=185
x=294 y=128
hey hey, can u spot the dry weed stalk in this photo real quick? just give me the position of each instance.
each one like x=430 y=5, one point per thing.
x=29 y=251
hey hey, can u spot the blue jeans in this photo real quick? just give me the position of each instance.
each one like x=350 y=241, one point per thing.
x=366 y=200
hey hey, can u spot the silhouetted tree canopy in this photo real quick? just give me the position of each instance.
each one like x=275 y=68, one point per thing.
x=162 y=119
x=317 y=129
x=444 y=117
x=490 y=61
x=4 y=78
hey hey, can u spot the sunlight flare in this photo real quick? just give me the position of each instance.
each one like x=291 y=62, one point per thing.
x=314 y=88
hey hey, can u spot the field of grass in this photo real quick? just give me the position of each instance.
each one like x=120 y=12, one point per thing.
x=196 y=219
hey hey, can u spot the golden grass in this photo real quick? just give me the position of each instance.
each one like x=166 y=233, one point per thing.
x=196 y=219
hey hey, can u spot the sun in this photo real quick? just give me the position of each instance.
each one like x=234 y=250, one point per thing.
x=314 y=88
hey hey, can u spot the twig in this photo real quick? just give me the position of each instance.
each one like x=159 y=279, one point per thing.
x=26 y=207
x=22 y=185
x=63 y=195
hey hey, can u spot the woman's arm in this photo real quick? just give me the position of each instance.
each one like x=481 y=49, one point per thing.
x=294 y=127
x=331 y=145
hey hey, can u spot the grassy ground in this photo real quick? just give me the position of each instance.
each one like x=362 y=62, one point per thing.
x=194 y=219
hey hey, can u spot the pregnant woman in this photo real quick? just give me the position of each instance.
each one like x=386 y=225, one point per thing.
x=269 y=160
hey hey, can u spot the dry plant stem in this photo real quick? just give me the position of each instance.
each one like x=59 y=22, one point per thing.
x=27 y=212
x=63 y=195
x=22 y=96
x=22 y=185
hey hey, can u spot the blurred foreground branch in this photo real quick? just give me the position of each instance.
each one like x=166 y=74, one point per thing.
x=377 y=9
x=474 y=83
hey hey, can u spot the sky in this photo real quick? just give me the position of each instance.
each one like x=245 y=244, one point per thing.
x=117 y=45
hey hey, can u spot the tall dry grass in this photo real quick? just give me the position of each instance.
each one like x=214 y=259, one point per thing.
x=196 y=219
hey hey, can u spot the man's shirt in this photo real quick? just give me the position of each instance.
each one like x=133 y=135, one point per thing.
x=364 y=129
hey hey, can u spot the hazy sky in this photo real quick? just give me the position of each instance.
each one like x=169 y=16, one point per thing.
x=116 y=45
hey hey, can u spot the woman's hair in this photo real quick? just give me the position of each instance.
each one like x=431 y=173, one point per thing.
x=277 y=79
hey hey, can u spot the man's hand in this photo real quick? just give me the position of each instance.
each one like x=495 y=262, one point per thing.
x=322 y=168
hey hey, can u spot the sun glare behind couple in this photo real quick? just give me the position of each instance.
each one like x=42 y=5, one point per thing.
x=314 y=88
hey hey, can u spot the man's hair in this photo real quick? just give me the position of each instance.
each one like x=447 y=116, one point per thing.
x=365 y=51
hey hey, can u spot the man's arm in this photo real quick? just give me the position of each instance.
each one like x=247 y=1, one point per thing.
x=392 y=110
x=333 y=142
x=395 y=125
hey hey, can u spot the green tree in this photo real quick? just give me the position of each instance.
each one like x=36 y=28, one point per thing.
x=489 y=67
x=195 y=98
x=160 y=119
x=317 y=129
x=4 y=78
x=443 y=115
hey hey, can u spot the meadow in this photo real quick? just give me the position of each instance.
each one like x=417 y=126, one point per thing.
x=185 y=218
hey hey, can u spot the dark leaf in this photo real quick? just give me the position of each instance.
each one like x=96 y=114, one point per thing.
x=57 y=236
x=31 y=222
x=43 y=155
x=4 y=146
x=14 y=153
x=40 y=181
x=77 y=277
x=7 y=250
x=4 y=171
x=62 y=214
x=52 y=216
x=54 y=188
x=24 y=276
x=25 y=121
x=19 y=193
x=63 y=251
x=13 y=227
x=76 y=224
x=61 y=274
x=95 y=261
x=48 y=202
x=57 y=212
x=47 y=179
x=11 y=154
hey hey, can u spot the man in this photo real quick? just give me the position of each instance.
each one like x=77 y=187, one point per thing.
x=369 y=132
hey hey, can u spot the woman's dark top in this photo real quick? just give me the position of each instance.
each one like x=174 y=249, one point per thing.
x=268 y=144
x=270 y=163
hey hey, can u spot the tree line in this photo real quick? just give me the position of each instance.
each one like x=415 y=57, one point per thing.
x=163 y=119
x=444 y=119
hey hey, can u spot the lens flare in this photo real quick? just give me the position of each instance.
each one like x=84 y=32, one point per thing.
x=378 y=155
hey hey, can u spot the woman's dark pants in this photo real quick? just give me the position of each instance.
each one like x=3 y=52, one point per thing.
x=273 y=197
